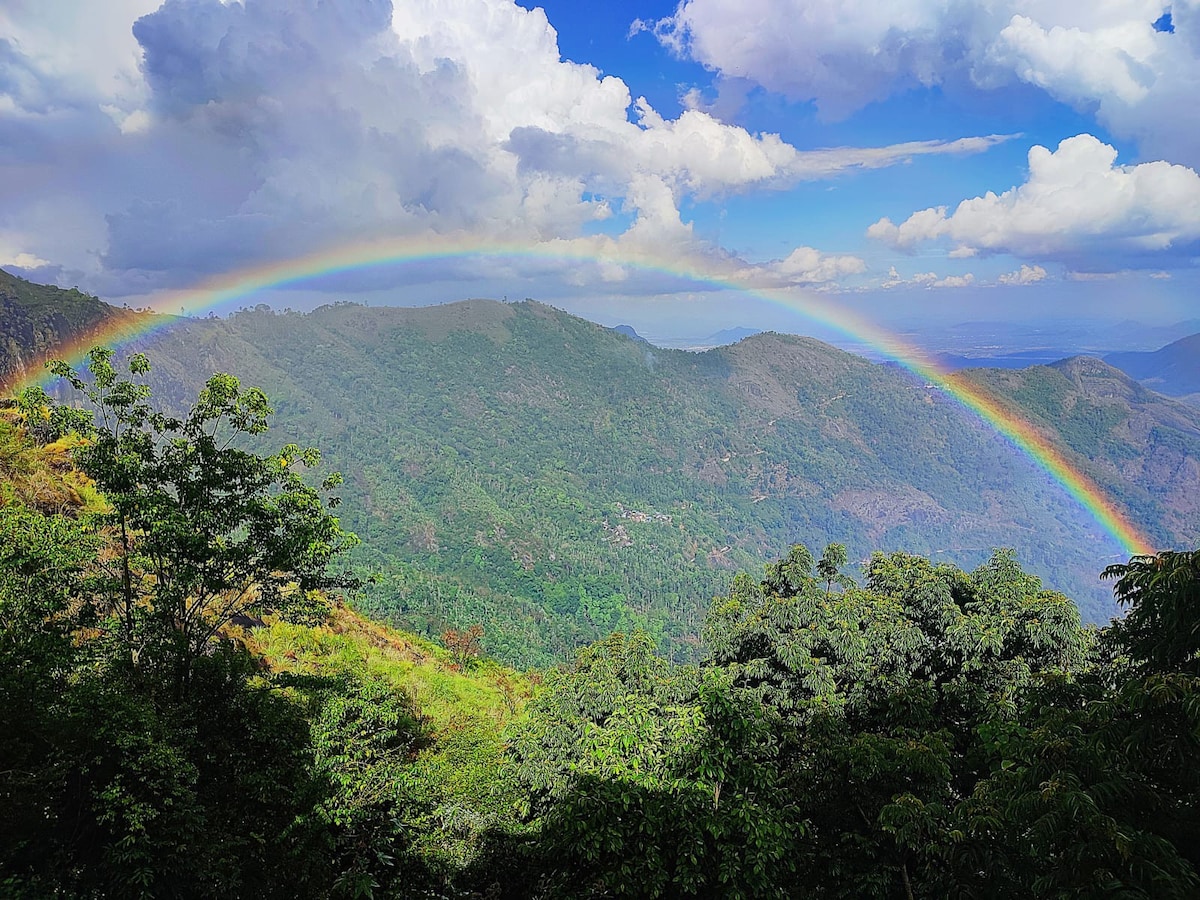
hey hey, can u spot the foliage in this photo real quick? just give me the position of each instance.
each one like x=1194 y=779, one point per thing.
x=649 y=781
x=121 y=778
x=1098 y=792
x=204 y=531
x=463 y=645
x=1162 y=628
x=569 y=482
x=454 y=790
x=927 y=732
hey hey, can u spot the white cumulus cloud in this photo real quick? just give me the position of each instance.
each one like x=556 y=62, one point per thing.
x=803 y=266
x=1024 y=275
x=201 y=135
x=1077 y=206
x=844 y=54
x=926 y=280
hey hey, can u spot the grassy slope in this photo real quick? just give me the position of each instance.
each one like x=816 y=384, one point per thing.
x=458 y=782
x=41 y=477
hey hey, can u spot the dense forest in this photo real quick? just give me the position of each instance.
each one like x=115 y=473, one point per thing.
x=191 y=709
x=515 y=465
x=512 y=463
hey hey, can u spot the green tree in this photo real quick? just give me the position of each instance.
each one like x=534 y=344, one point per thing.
x=829 y=567
x=365 y=734
x=204 y=529
x=43 y=561
x=1096 y=790
x=647 y=779
x=875 y=696
x=143 y=751
x=1162 y=627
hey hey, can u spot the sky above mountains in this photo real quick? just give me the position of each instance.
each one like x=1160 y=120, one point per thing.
x=912 y=161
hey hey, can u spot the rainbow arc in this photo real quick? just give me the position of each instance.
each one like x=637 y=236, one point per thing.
x=224 y=289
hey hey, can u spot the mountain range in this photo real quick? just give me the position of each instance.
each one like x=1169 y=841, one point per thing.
x=514 y=465
x=1173 y=370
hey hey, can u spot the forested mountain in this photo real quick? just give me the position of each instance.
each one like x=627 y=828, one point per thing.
x=514 y=465
x=1141 y=447
x=1173 y=369
x=928 y=733
x=510 y=464
x=191 y=711
x=35 y=319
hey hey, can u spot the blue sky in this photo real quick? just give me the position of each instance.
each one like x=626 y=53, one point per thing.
x=921 y=161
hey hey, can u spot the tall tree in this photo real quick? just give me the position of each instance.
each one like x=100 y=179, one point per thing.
x=204 y=529
x=1096 y=791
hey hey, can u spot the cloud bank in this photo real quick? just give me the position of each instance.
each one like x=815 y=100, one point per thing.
x=1117 y=57
x=1077 y=207
x=202 y=135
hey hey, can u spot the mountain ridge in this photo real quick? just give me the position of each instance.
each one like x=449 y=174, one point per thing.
x=37 y=320
x=1173 y=369
x=514 y=464
x=538 y=444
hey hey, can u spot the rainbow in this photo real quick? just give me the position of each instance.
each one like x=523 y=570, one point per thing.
x=719 y=274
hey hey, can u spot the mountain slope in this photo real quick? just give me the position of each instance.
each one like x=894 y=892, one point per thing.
x=512 y=465
x=1141 y=447
x=515 y=465
x=36 y=319
x=1173 y=370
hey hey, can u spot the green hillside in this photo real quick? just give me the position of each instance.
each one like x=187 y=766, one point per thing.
x=512 y=465
x=35 y=319
x=515 y=466
x=295 y=743
x=187 y=714
x=1142 y=448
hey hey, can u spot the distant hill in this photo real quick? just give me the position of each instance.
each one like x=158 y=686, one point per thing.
x=1173 y=369
x=1020 y=360
x=513 y=465
x=1141 y=447
x=37 y=319
x=629 y=332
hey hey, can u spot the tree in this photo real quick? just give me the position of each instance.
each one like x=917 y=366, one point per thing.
x=203 y=529
x=875 y=696
x=1162 y=627
x=829 y=567
x=463 y=645
x=647 y=779
x=1097 y=792
x=42 y=561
